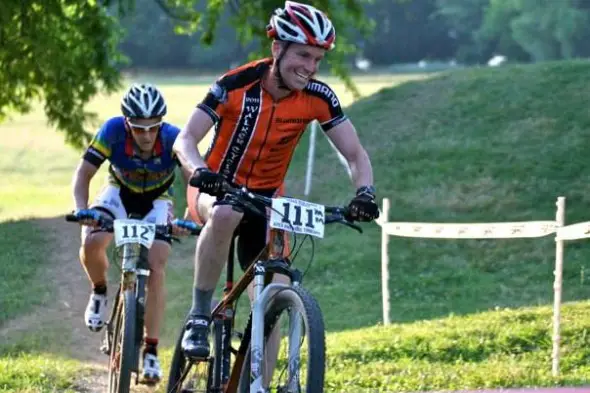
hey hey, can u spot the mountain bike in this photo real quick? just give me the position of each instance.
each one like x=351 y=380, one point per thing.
x=123 y=337
x=238 y=362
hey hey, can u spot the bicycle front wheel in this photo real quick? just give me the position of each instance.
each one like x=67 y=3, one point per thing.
x=294 y=337
x=120 y=362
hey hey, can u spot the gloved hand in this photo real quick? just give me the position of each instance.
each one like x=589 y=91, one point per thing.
x=363 y=207
x=183 y=227
x=89 y=217
x=207 y=181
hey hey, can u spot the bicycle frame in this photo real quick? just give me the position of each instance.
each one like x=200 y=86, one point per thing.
x=270 y=261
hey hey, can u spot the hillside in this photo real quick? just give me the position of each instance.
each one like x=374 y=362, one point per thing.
x=468 y=146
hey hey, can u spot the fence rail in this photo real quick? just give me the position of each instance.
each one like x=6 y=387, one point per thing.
x=490 y=230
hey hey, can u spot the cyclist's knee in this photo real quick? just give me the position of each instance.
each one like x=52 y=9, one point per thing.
x=95 y=242
x=224 y=220
x=158 y=256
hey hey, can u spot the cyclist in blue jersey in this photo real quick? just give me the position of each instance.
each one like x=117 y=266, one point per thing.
x=138 y=146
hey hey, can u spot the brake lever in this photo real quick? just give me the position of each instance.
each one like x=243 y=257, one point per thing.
x=351 y=225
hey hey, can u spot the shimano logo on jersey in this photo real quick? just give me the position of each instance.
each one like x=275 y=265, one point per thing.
x=325 y=90
x=219 y=92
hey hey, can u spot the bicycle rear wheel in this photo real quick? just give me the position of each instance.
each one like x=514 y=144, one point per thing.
x=300 y=365
x=120 y=361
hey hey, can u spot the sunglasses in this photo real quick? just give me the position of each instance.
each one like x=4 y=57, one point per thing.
x=141 y=127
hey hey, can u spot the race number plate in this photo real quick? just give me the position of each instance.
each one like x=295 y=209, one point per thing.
x=294 y=215
x=134 y=231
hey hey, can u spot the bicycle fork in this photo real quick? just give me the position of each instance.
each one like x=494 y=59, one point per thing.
x=262 y=296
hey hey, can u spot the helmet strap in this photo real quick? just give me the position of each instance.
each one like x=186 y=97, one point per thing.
x=281 y=82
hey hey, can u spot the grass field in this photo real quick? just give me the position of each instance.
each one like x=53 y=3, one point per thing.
x=472 y=145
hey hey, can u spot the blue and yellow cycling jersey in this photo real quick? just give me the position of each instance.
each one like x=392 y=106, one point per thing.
x=114 y=143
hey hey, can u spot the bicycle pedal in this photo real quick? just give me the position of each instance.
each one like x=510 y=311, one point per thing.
x=149 y=381
x=198 y=359
x=105 y=349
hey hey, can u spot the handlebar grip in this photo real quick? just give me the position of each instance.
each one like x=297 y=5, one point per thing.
x=192 y=226
x=193 y=182
x=71 y=218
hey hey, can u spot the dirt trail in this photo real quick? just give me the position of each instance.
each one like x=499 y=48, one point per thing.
x=65 y=313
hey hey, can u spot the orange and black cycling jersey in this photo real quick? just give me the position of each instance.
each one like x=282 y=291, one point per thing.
x=255 y=136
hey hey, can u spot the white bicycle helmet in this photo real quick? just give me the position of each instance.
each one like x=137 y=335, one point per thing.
x=143 y=101
x=302 y=24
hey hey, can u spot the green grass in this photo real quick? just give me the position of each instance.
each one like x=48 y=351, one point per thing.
x=38 y=373
x=493 y=349
x=21 y=287
x=466 y=146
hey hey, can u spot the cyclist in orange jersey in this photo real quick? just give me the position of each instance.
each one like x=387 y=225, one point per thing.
x=260 y=111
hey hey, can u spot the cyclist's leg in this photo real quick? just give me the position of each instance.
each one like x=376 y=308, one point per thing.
x=160 y=214
x=93 y=257
x=220 y=222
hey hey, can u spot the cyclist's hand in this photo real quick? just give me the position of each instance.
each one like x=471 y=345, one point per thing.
x=89 y=217
x=207 y=181
x=182 y=227
x=363 y=206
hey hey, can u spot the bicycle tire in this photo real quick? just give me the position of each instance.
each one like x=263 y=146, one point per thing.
x=307 y=306
x=125 y=333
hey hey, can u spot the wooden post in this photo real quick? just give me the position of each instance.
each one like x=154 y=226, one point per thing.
x=557 y=287
x=385 y=263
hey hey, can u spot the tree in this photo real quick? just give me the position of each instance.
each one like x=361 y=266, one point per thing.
x=64 y=51
x=522 y=30
x=464 y=17
x=547 y=29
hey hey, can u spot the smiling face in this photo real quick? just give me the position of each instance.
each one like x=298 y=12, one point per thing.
x=298 y=64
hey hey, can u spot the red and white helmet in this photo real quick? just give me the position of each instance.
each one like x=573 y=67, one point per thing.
x=302 y=24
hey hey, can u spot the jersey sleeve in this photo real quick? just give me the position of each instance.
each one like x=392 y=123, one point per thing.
x=99 y=149
x=214 y=101
x=329 y=112
x=174 y=131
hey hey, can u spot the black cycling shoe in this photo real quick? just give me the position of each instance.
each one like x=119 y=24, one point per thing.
x=195 y=340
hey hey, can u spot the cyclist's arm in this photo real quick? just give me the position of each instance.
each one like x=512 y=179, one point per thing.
x=97 y=152
x=347 y=142
x=186 y=145
x=81 y=183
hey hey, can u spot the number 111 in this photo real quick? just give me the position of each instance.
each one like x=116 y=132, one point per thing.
x=297 y=221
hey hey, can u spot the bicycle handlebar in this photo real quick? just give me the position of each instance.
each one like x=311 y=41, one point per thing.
x=334 y=214
x=107 y=225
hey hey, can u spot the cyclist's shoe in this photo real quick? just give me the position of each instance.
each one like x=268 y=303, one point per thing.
x=96 y=312
x=152 y=373
x=195 y=340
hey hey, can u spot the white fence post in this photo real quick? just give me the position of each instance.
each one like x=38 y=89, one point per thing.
x=557 y=287
x=385 y=263
x=310 y=154
x=489 y=230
